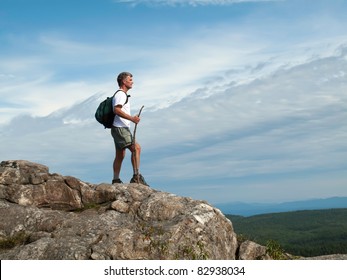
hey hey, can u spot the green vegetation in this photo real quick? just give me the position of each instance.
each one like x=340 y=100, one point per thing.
x=159 y=245
x=19 y=238
x=301 y=233
x=275 y=250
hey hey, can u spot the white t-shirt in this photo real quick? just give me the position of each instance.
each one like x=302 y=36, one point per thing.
x=119 y=99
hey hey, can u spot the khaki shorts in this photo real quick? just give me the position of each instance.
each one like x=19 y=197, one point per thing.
x=122 y=137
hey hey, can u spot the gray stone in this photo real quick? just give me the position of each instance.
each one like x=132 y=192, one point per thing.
x=250 y=250
x=53 y=217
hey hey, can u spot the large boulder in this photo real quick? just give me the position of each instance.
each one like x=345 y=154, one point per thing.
x=50 y=216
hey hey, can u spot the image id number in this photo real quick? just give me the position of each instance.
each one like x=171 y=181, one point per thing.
x=221 y=271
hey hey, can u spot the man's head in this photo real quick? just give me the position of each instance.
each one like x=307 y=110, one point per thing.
x=125 y=79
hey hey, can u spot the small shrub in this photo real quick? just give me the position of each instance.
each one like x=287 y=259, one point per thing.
x=19 y=238
x=275 y=251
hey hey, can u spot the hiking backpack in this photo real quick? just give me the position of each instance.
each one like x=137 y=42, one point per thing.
x=105 y=112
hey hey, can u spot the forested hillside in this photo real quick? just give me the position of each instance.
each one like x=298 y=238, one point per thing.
x=302 y=233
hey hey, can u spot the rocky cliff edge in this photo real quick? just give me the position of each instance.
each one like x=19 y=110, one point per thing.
x=53 y=217
x=50 y=216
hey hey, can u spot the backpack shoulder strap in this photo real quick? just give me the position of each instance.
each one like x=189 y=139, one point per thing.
x=125 y=94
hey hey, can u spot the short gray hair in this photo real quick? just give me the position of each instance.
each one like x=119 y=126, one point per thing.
x=122 y=76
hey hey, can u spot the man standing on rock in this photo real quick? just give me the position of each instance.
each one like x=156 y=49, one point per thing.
x=123 y=139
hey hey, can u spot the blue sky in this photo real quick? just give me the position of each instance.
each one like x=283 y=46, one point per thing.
x=244 y=100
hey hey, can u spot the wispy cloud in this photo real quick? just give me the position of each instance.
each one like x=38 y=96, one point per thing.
x=236 y=107
x=286 y=123
x=54 y=69
x=190 y=2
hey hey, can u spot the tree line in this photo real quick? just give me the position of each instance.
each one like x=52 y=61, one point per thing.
x=301 y=233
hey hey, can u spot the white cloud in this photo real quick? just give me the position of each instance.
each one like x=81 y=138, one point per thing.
x=190 y=2
x=226 y=102
x=57 y=71
x=289 y=122
x=298 y=127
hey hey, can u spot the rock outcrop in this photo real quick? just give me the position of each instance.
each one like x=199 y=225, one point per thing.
x=47 y=216
x=250 y=250
x=50 y=216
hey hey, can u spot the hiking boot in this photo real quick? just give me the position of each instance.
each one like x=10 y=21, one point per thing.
x=117 y=181
x=138 y=179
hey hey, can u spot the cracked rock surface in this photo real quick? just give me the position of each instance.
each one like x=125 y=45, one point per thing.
x=53 y=217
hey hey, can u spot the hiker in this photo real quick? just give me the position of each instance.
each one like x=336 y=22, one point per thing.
x=123 y=139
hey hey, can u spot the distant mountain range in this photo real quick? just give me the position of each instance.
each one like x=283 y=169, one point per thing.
x=251 y=209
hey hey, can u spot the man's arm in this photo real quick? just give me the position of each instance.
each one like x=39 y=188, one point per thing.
x=118 y=111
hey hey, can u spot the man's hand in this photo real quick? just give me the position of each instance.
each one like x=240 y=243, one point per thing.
x=135 y=119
